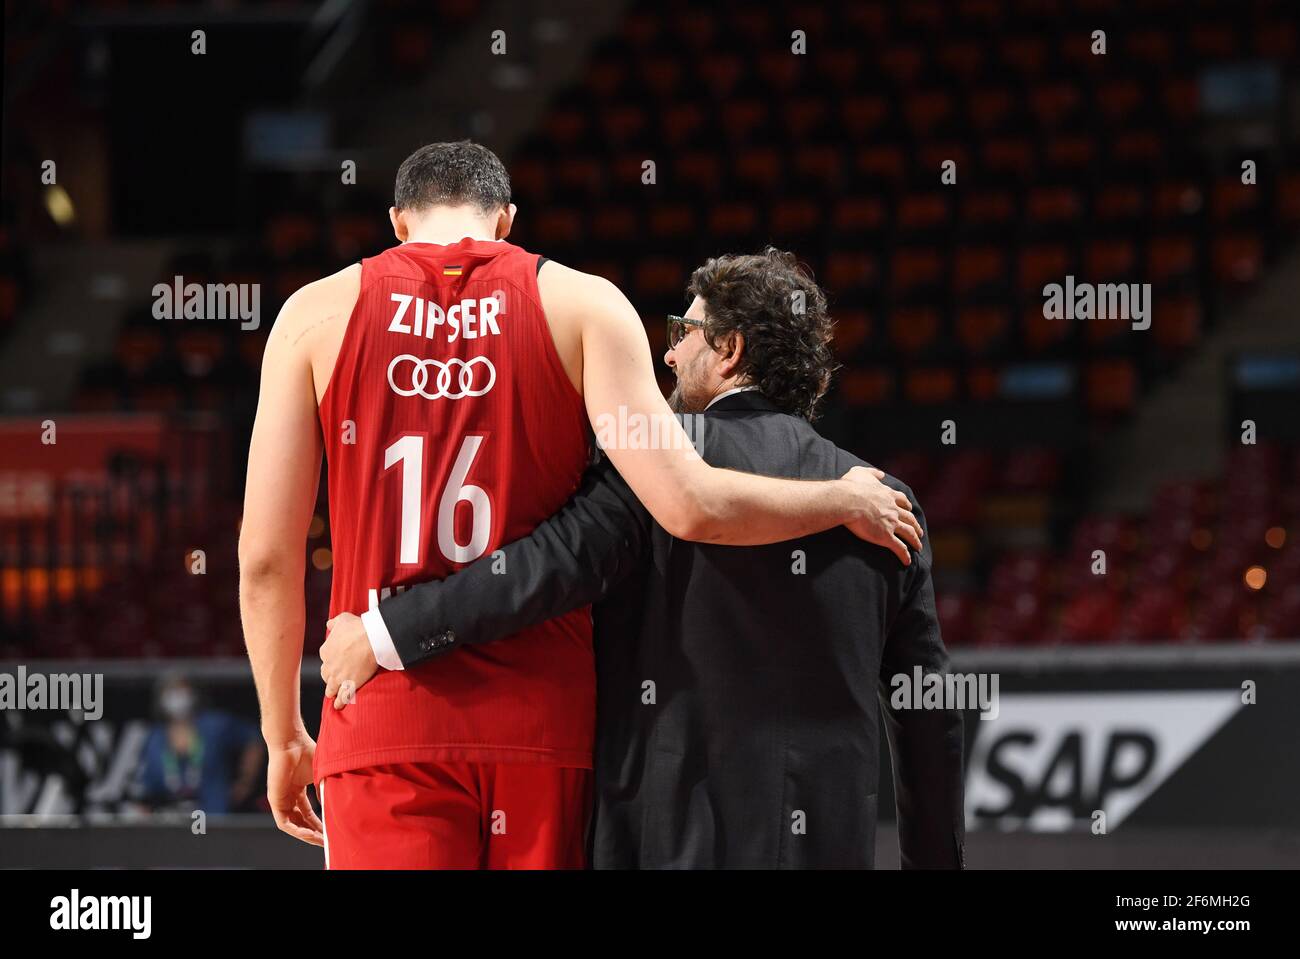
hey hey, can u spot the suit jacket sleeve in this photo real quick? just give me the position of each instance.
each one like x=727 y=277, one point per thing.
x=571 y=560
x=926 y=744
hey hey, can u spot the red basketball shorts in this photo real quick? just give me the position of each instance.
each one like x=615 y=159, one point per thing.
x=456 y=816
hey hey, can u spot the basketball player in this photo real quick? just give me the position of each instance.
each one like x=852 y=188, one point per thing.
x=449 y=381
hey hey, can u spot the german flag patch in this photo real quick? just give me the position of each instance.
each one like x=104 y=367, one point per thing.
x=452 y=271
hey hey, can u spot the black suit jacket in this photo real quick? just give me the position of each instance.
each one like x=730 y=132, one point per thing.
x=739 y=690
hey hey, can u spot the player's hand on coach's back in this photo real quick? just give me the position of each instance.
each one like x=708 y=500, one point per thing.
x=887 y=518
x=288 y=774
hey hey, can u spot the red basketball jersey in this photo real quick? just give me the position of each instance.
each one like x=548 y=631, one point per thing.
x=450 y=429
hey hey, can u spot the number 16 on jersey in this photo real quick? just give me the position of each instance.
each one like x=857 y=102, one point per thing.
x=408 y=450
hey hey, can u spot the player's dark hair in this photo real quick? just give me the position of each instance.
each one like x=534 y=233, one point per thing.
x=773 y=301
x=449 y=174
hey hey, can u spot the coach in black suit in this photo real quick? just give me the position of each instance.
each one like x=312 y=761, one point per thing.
x=740 y=690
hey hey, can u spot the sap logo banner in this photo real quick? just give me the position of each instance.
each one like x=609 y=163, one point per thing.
x=69 y=767
x=1049 y=760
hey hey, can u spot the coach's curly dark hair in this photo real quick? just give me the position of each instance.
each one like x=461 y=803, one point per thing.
x=787 y=343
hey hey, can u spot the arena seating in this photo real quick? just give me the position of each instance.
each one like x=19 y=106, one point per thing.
x=1066 y=163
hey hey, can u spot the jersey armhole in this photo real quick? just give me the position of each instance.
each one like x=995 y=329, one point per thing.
x=366 y=280
x=553 y=351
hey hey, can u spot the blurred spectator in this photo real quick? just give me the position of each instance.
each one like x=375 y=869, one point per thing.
x=198 y=758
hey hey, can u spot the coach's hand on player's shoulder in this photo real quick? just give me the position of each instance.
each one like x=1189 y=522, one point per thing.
x=886 y=518
x=288 y=774
x=347 y=661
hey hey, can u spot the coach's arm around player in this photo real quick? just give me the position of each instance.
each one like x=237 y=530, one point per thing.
x=573 y=559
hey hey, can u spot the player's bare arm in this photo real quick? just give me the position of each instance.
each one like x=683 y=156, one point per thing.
x=689 y=498
x=284 y=462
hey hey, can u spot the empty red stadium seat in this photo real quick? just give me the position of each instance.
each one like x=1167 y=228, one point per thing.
x=1091 y=617
x=1120 y=98
x=1025 y=54
x=1179 y=326
x=1070 y=151
x=699 y=169
x=1170 y=256
x=1141 y=147
x=925 y=111
x=1054 y=204
x=963 y=58
x=1237 y=257
x=987 y=208
x=1052 y=104
x=614 y=223
x=1014 y=156
x=1114 y=258
x=850 y=270
x=862 y=115
x=794 y=217
x=729 y=219
x=927 y=386
x=902 y=63
x=913 y=329
x=852 y=329
x=762 y=168
x=1111 y=386
x=659 y=275
x=975 y=267
x=672 y=221
x=1231 y=198
x=855 y=214
x=680 y=123
x=866 y=387
x=1042 y=264
x=989 y=107
x=882 y=161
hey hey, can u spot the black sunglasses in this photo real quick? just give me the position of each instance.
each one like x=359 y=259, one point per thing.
x=678 y=327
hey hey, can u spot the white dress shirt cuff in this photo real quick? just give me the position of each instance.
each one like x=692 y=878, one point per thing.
x=380 y=640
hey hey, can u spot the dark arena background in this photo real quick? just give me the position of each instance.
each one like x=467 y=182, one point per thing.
x=1113 y=497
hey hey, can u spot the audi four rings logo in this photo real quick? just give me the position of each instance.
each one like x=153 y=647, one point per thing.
x=442 y=383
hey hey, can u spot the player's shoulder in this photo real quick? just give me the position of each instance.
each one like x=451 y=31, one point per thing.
x=328 y=298
x=567 y=285
x=346 y=282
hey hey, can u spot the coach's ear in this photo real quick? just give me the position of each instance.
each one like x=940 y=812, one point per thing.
x=398 y=219
x=505 y=220
x=730 y=354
